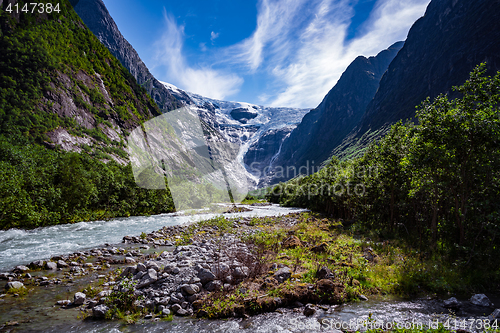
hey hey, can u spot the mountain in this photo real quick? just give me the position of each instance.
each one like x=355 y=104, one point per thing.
x=440 y=51
x=251 y=127
x=95 y=15
x=322 y=129
x=67 y=106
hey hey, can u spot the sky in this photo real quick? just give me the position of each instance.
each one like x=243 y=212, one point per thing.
x=266 y=52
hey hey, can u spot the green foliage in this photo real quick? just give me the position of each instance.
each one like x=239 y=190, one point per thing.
x=40 y=187
x=436 y=184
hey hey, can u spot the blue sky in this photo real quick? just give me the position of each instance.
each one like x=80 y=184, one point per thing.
x=266 y=52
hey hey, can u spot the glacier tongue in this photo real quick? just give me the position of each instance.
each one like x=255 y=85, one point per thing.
x=252 y=123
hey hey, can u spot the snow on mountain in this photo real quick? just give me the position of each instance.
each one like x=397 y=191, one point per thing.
x=243 y=123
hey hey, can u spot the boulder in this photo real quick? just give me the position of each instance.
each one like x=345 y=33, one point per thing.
x=147 y=279
x=240 y=272
x=214 y=285
x=451 y=303
x=205 y=276
x=141 y=267
x=50 y=265
x=99 y=311
x=61 y=264
x=129 y=270
x=21 y=269
x=37 y=264
x=79 y=298
x=14 y=285
x=309 y=310
x=190 y=289
x=495 y=315
x=282 y=274
x=480 y=300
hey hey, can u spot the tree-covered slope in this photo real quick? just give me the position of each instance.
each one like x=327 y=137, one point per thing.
x=95 y=15
x=66 y=107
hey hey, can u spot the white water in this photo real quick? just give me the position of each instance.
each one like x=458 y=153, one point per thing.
x=24 y=246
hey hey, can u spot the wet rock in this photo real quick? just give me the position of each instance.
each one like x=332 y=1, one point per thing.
x=62 y=264
x=291 y=242
x=206 y=276
x=14 y=285
x=99 y=311
x=190 y=289
x=495 y=315
x=309 y=310
x=147 y=279
x=50 y=265
x=79 y=298
x=213 y=285
x=20 y=269
x=480 y=300
x=37 y=264
x=4 y=276
x=165 y=312
x=63 y=302
x=129 y=260
x=240 y=272
x=362 y=297
x=129 y=270
x=451 y=303
x=282 y=274
x=176 y=307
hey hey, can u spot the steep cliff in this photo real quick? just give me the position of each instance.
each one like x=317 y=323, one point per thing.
x=440 y=51
x=95 y=15
x=322 y=129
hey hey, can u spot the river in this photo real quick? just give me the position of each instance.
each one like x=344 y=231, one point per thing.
x=37 y=311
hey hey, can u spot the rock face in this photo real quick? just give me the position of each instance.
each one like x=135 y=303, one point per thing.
x=95 y=15
x=480 y=300
x=441 y=50
x=322 y=129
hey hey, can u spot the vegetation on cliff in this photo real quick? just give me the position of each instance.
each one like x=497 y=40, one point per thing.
x=55 y=75
x=435 y=183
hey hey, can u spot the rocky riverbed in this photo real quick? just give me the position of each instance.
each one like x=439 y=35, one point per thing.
x=210 y=269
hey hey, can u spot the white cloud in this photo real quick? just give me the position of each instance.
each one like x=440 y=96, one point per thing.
x=322 y=53
x=201 y=79
x=297 y=52
x=213 y=36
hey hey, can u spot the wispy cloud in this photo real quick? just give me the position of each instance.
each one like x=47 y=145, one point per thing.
x=203 y=80
x=214 y=36
x=306 y=68
x=298 y=50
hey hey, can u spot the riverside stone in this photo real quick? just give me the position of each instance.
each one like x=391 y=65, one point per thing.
x=206 y=276
x=50 y=265
x=480 y=300
x=14 y=285
x=190 y=289
x=99 y=311
x=79 y=298
x=451 y=303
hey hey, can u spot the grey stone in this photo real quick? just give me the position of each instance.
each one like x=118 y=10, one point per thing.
x=213 y=285
x=362 y=297
x=99 y=311
x=182 y=312
x=480 y=300
x=21 y=269
x=495 y=315
x=309 y=310
x=451 y=303
x=190 y=289
x=282 y=274
x=176 y=307
x=240 y=272
x=165 y=312
x=129 y=270
x=79 y=298
x=129 y=260
x=63 y=302
x=14 y=285
x=61 y=264
x=141 y=267
x=50 y=265
x=149 y=278
x=37 y=264
x=206 y=276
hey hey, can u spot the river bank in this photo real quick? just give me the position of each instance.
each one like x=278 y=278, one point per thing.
x=224 y=268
